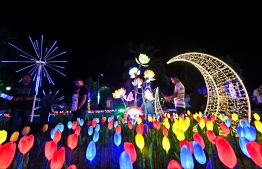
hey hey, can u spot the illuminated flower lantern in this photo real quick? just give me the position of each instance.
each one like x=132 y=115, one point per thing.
x=134 y=111
x=72 y=141
x=14 y=136
x=225 y=152
x=50 y=148
x=131 y=150
x=91 y=151
x=90 y=130
x=166 y=144
x=199 y=153
x=255 y=151
x=243 y=145
x=125 y=161
x=174 y=164
x=186 y=158
x=3 y=135
x=96 y=136
x=117 y=139
x=26 y=143
x=140 y=142
x=7 y=154
x=58 y=158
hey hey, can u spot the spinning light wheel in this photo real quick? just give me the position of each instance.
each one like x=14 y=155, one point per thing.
x=226 y=92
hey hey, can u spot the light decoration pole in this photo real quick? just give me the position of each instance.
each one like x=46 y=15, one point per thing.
x=98 y=89
x=39 y=64
x=226 y=92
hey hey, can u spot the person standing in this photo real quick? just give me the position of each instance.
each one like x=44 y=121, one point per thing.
x=257 y=93
x=178 y=96
x=82 y=99
x=21 y=104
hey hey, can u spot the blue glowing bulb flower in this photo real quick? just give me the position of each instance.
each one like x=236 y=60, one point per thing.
x=69 y=124
x=90 y=130
x=199 y=153
x=96 y=136
x=242 y=143
x=117 y=139
x=186 y=158
x=91 y=151
x=125 y=161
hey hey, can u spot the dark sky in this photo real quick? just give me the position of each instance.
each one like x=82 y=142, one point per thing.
x=97 y=37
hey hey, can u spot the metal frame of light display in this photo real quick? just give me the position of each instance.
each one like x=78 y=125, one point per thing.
x=226 y=92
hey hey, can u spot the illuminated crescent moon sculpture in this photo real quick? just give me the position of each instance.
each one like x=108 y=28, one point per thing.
x=226 y=92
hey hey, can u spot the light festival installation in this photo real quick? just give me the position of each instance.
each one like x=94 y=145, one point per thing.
x=226 y=92
x=39 y=64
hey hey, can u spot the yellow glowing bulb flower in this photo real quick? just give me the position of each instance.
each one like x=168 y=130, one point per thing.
x=3 y=135
x=234 y=117
x=142 y=59
x=175 y=126
x=166 y=143
x=183 y=124
x=210 y=125
x=166 y=123
x=26 y=130
x=150 y=118
x=258 y=125
x=256 y=116
x=139 y=120
x=149 y=75
x=14 y=136
x=119 y=93
x=140 y=142
x=202 y=123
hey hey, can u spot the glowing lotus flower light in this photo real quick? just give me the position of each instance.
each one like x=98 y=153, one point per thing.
x=173 y=164
x=142 y=60
x=26 y=143
x=14 y=136
x=166 y=144
x=186 y=158
x=250 y=133
x=3 y=136
x=119 y=93
x=26 y=130
x=234 y=117
x=225 y=152
x=58 y=158
x=256 y=116
x=45 y=128
x=117 y=139
x=198 y=138
x=133 y=72
x=211 y=136
x=254 y=150
x=225 y=128
x=199 y=153
x=243 y=143
x=188 y=144
x=57 y=136
x=131 y=150
x=125 y=161
x=149 y=76
x=96 y=136
x=137 y=82
x=7 y=154
x=91 y=151
x=72 y=141
x=69 y=124
x=50 y=148
x=140 y=142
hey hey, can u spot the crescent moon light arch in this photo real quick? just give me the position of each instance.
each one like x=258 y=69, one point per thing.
x=226 y=92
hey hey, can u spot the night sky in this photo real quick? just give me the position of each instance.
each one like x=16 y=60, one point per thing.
x=97 y=38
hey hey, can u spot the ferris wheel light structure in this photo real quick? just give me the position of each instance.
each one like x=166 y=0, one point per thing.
x=40 y=63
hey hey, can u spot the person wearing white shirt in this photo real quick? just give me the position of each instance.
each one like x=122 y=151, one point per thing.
x=178 y=96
